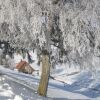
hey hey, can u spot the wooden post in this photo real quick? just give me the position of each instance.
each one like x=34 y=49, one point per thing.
x=43 y=85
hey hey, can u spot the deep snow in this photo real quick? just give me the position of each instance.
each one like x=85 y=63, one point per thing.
x=10 y=90
x=76 y=87
x=69 y=83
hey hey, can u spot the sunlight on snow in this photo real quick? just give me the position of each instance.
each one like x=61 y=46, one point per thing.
x=17 y=97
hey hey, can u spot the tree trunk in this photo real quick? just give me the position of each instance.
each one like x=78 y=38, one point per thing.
x=43 y=85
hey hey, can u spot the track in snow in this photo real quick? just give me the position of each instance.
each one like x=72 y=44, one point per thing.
x=14 y=89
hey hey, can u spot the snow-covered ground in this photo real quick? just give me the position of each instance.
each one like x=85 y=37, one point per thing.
x=10 y=90
x=70 y=83
x=75 y=86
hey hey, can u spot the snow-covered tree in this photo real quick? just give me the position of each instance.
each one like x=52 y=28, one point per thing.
x=79 y=23
x=72 y=26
